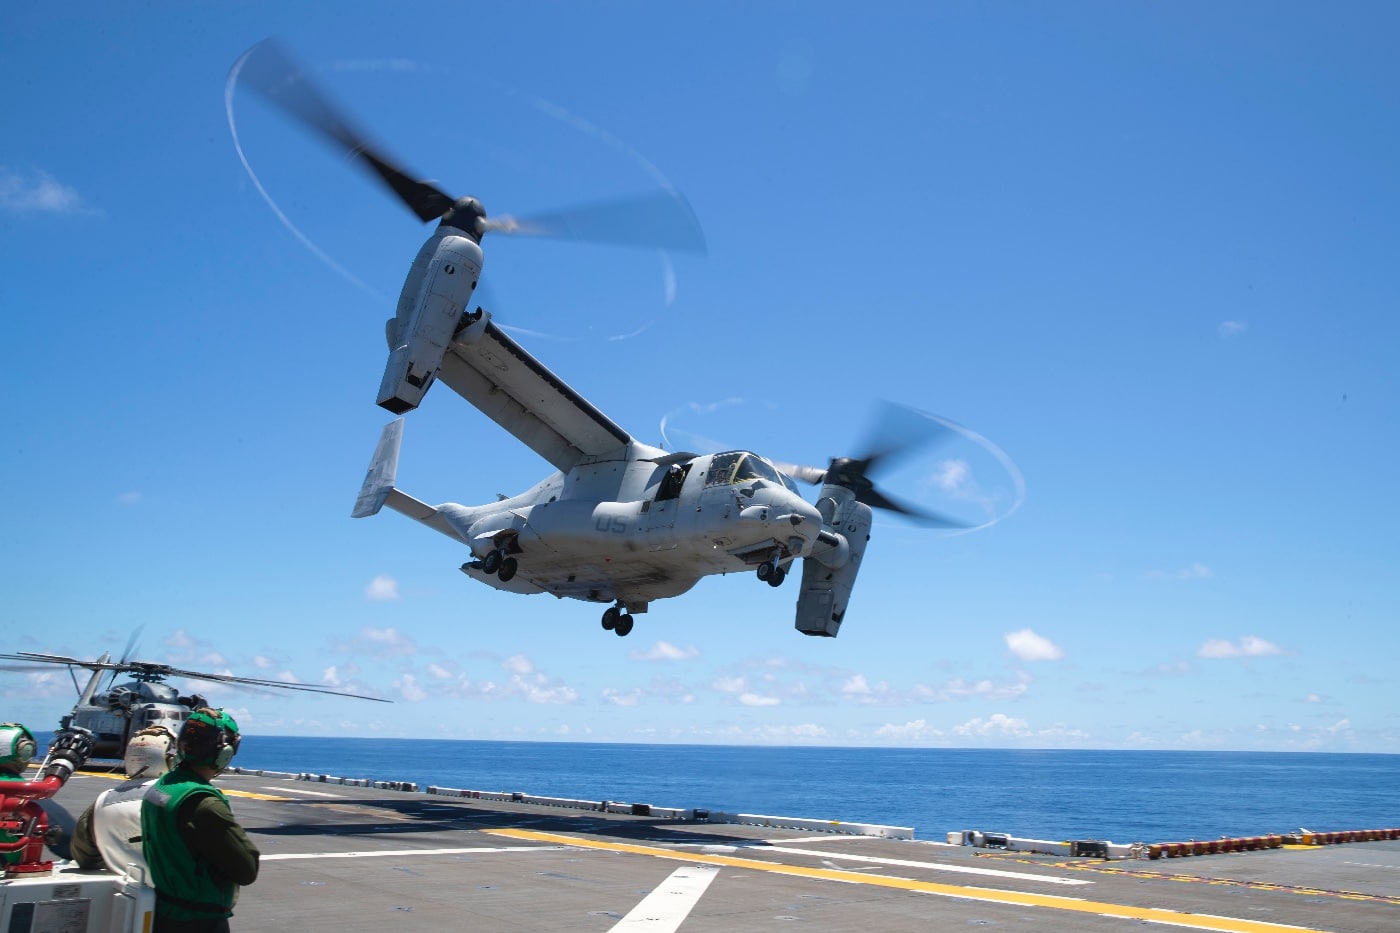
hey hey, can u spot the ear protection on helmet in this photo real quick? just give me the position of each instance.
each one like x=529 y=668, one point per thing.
x=17 y=745
x=210 y=738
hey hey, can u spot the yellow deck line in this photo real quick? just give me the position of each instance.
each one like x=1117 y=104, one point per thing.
x=1019 y=898
x=118 y=776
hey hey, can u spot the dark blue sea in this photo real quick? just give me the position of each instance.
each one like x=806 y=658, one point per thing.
x=1123 y=796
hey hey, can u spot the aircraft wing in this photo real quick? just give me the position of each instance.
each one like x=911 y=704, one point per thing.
x=493 y=372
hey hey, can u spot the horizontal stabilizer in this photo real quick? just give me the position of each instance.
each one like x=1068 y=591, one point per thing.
x=379 y=480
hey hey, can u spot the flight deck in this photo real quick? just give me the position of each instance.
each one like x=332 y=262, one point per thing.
x=345 y=857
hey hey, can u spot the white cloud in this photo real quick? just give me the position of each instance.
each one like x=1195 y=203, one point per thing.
x=857 y=689
x=622 y=697
x=754 y=699
x=911 y=731
x=1341 y=726
x=665 y=651
x=1232 y=328
x=1197 y=571
x=408 y=688
x=855 y=686
x=734 y=684
x=1028 y=646
x=129 y=498
x=519 y=664
x=38 y=192
x=263 y=663
x=953 y=476
x=1312 y=698
x=387 y=641
x=179 y=640
x=1249 y=646
x=999 y=724
x=382 y=588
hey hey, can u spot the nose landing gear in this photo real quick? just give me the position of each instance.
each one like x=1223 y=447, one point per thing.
x=616 y=619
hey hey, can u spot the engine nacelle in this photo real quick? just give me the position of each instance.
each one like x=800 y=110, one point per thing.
x=437 y=291
x=830 y=573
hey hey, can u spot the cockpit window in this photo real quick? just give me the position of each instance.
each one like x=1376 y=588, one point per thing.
x=721 y=472
x=740 y=466
x=754 y=467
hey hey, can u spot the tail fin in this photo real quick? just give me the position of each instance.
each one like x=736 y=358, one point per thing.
x=379 y=480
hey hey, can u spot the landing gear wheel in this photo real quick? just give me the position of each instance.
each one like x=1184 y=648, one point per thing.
x=610 y=617
x=509 y=566
x=624 y=625
x=777 y=577
x=765 y=570
x=491 y=562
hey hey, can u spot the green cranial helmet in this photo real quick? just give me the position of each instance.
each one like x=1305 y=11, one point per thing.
x=17 y=747
x=209 y=739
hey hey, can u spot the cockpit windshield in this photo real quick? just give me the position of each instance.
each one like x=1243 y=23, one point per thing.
x=740 y=466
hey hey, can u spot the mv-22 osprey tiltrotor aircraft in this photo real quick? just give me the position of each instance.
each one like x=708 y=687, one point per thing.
x=620 y=522
x=116 y=712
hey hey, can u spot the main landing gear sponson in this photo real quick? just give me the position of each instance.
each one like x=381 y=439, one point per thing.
x=615 y=620
x=771 y=573
x=498 y=563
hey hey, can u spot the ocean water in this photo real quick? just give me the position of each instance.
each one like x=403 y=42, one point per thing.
x=1123 y=796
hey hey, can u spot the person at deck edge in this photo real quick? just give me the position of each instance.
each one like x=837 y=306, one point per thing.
x=198 y=854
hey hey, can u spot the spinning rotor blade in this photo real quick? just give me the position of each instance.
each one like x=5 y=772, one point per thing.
x=897 y=432
x=275 y=75
x=664 y=220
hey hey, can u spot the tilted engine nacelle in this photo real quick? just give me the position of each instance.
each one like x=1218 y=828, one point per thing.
x=437 y=291
x=829 y=574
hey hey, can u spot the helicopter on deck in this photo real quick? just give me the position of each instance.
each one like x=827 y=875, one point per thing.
x=620 y=522
x=116 y=712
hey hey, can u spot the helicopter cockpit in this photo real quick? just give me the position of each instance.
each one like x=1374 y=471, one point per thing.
x=739 y=466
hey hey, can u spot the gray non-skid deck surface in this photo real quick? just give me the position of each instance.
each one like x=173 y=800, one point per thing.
x=350 y=858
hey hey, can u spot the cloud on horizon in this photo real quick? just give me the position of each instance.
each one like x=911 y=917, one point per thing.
x=665 y=651
x=1249 y=646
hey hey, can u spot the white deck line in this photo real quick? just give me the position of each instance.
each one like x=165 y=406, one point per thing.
x=298 y=790
x=670 y=902
x=930 y=866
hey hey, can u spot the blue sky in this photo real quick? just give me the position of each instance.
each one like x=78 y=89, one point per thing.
x=1146 y=249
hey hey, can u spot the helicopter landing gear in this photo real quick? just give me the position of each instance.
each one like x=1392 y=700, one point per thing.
x=616 y=620
x=769 y=572
x=499 y=563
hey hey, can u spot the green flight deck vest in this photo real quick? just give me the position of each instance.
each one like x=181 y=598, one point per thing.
x=184 y=888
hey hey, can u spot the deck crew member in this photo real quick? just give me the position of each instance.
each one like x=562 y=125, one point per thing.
x=108 y=834
x=198 y=854
x=17 y=747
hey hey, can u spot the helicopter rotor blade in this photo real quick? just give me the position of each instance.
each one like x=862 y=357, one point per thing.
x=662 y=219
x=275 y=75
x=62 y=659
x=131 y=643
x=262 y=682
x=153 y=670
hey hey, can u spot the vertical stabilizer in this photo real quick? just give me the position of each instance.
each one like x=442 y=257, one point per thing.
x=379 y=480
